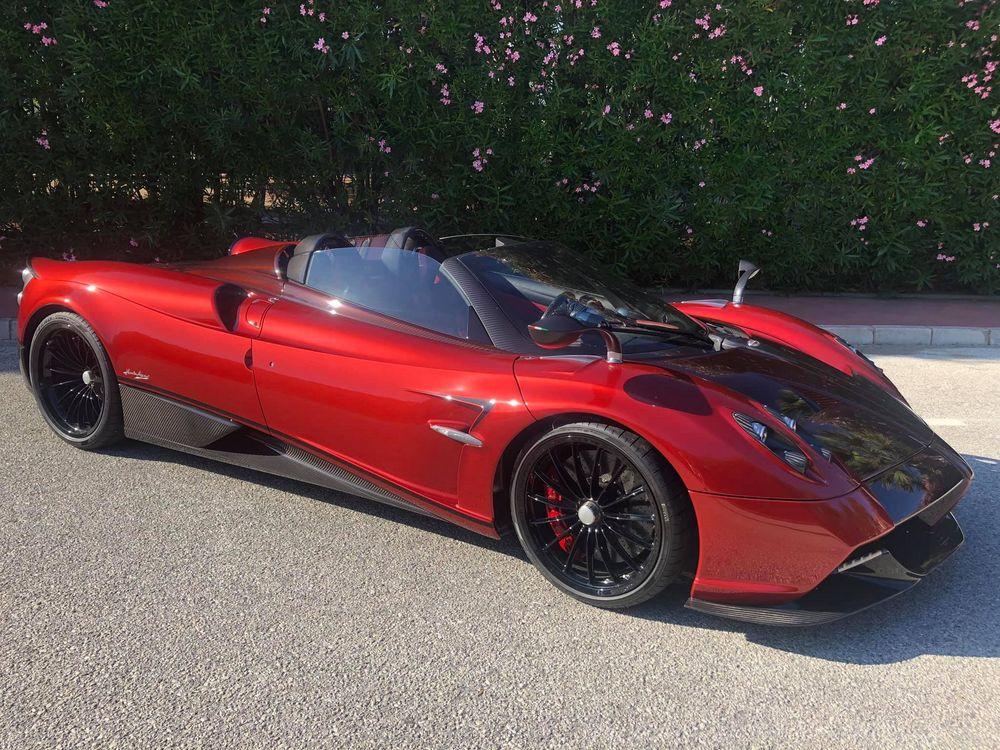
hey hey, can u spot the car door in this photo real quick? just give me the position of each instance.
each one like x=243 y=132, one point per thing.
x=394 y=400
x=189 y=338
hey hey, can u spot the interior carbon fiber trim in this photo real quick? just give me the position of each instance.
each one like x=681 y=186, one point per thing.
x=161 y=420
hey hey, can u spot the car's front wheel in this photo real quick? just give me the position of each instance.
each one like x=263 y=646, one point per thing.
x=74 y=383
x=600 y=514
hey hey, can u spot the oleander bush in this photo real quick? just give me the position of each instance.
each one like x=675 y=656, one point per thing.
x=841 y=145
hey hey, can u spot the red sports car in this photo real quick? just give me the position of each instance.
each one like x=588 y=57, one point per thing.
x=503 y=383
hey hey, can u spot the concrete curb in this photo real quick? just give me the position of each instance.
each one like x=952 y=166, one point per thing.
x=857 y=335
x=917 y=335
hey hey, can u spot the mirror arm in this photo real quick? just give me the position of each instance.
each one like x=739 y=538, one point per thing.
x=614 y=346
x=747 y=271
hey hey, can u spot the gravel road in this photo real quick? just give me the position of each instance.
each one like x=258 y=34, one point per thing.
x=148 y=598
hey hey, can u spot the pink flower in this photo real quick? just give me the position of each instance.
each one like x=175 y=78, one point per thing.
x=606 y=109
x=648 y=114
x=758 y=91
x=666 y=118
x=881 y=40
x=595 y=32
x=43 y=140
x=345 y=35
x=322 y=17
x=946 y=258
x=665 y=3
x=440 y=68
x=477 y=107
x=132 y=242
x=995 y=125
x=852 y=20
x=384 y=147
x=842 y=106
x=614 y=48
x=921 y=223
x=701 y=184
x=100 y=3
x=871 y=111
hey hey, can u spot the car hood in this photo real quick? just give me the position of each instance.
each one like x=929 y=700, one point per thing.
x=860 y=425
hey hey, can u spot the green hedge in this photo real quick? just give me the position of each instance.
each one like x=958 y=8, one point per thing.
x=839 y=144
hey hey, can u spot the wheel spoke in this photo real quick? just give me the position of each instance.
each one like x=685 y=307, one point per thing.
x=561 y=536
x=627 y=496
x=637 y=517
x=554 y=519
x=551 y=503
x=578 y=472
x=572 y=552
x=645 y=544
x=615 y=476
x=613 y=541
x=563 y=478
x=606 y=554
x=595 y=473
x=590 y=556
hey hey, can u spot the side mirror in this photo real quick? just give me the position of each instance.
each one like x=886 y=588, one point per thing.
x=555 y=330
x=747 y=271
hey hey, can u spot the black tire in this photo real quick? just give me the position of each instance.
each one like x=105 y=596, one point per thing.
x=637 y=531
x=74 y=383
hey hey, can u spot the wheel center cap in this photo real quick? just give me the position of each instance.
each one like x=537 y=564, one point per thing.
x=588 y=513
x=88 y=378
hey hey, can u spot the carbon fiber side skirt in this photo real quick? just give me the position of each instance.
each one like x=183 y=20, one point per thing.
x=156 y=419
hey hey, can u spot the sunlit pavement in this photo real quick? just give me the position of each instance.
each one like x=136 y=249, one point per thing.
x=148 y=599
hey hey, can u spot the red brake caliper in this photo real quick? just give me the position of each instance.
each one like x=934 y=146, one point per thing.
x=558 y=527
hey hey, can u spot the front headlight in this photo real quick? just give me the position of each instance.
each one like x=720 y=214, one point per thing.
x=774 y=441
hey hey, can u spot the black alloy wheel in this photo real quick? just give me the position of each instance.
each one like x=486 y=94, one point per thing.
x=600 y=514
x=74 y=383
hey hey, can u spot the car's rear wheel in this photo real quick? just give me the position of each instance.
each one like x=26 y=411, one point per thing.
x=74 y=383
x=600 y=514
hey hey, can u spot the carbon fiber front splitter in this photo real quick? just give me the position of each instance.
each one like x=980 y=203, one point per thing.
x=876 y=572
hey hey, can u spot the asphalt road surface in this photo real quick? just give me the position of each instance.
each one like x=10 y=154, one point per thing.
x=148 y=598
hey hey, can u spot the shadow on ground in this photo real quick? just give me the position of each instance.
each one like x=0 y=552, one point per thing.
x=148 y=452
x=954 y=612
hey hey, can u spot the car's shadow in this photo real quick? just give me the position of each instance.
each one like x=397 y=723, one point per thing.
x=148 y=452
x=954 y=612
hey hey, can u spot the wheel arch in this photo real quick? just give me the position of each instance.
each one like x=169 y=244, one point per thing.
x=31 y=326
x=505 y=467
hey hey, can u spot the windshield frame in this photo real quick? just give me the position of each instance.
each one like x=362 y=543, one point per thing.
x=545 y=263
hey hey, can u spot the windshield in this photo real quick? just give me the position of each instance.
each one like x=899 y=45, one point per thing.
x=528 y=278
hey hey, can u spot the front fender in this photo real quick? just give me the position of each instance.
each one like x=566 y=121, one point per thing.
x=795 y=333
x=688 y=420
